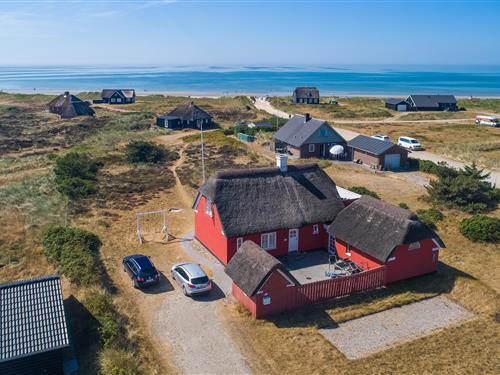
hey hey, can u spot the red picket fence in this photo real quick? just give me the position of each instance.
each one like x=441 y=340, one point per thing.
x=342 y=286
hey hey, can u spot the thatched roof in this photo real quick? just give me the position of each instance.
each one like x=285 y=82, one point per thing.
x=189 y=112
x=306 y=92
x=251 y=266
x=68 y=106
x=376 y=227
x=266 y=199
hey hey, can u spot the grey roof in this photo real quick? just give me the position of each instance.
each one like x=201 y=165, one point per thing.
x=266 y=199
x=371 y=145
x=189 y=112
x=395 y=101
x=250 y=267
x=376 y=227
x=168 y=117
x=297 y=131
x=429 y=101
x=127 y=93
x=32 y=318
x=68 y=106
x=306 y=92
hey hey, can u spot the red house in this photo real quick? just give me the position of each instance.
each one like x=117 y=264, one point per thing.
x=371 y=233
x=282 y=209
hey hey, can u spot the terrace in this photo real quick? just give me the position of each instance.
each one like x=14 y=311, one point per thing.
x=313 y=266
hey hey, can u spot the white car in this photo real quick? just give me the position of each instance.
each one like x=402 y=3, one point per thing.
x=191 y=278
x=409 y=143
x=382 y=137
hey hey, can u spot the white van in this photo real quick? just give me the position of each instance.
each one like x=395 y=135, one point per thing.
x=409 y=143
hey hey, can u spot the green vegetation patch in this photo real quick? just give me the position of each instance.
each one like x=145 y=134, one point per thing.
x=76 y=174
x=481 y=228
x=363 y=191
x=430 y=216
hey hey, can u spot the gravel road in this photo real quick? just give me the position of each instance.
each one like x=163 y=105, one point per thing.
x=373 y=333
x=193 y=328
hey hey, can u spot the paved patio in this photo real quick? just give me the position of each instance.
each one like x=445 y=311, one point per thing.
x=307 y=267
x=362 y=337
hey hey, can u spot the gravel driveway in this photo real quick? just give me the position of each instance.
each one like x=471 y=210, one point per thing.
x=361 y=337
x=192 y=327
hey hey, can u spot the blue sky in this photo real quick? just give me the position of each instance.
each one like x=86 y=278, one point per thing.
x=252 y=32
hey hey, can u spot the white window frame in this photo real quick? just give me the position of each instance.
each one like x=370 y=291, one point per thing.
x=414 y=246
x=208 y=207
x=268 y=241
x=315 y=229
x=239 y=242
x=312 y=147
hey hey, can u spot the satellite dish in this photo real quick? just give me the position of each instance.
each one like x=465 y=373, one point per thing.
x=336 y=150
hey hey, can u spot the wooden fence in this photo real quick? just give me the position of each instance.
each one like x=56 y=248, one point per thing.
x=339 y=287
x=291 y=297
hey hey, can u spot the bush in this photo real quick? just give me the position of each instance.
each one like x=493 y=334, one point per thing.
x=404 y=205
x=101 y=307
x=75 y=251
x=430 y=216
x=481 y=228
x=76 y=174
x=363 y=191
x=465 y=189
x=145 y=152
x=117 y=362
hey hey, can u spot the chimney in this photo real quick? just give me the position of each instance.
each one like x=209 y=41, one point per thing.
x=282 y=162
x=308 y=117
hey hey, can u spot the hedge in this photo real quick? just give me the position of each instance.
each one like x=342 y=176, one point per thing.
x=363 y=191
x=481 y=228
x=430 y=216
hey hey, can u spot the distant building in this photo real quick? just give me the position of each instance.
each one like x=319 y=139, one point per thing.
x=305 y=95
x=33 y=329
x=118 y=96
x=185 y=116
x=306 y=137
x=69 y=106
x=377 y=153
x=432 y=102
x=396 y=104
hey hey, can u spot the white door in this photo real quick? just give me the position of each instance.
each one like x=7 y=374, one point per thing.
x=293 y=240
x=392 y=161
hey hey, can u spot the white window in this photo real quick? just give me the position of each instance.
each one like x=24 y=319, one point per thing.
x=348 y=250
x=414 y=246
x=311 y=148
x=268 y=241
x=266 y=300
x=208 y=207
x=315 y=229
x=239 y=242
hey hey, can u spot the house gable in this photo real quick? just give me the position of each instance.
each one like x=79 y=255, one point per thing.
x=325 y=134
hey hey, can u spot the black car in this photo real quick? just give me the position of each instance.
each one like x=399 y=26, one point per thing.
x=141 y=270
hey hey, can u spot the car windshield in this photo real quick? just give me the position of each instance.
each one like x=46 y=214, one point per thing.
x=414 y=141
x=199 y=280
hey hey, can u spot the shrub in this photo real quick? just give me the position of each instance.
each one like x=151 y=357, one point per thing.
x=75 y=251
x=145 y=152
x=363 y=191
x=430 y=216
x=404 y=205
x=101 y=307
x=76 y=174
x=465 y=189
x=117 y=362
x=481 y=228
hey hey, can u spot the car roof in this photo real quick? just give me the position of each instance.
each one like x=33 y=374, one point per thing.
x=193 y=269
x=141 y=260
x=410 y=138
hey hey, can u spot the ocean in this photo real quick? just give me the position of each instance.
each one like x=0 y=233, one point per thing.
x=258 y=80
